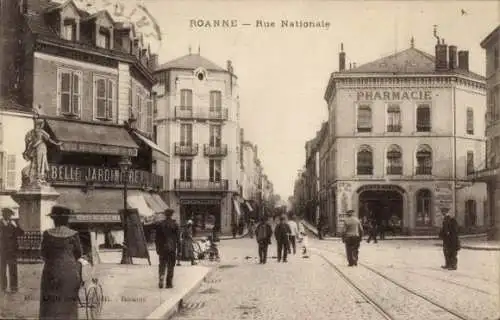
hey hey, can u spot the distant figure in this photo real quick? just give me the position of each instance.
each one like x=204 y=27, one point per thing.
x=281 y=233
x=187 y=251
x=303 y=239
x=234 y=229
x=9 y=231
x=167 y=242
x=372 y=230
x=294 y=234
x=263 y=233
x=61 y=275
x=451 y=242
x=351 y=236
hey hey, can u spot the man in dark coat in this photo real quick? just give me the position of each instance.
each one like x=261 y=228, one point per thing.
x=9 y=231
x=451 y=243
x=167 y=246
x=282 y=233
x=263 y=234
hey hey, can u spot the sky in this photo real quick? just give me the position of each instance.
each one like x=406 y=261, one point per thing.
x=283 y=73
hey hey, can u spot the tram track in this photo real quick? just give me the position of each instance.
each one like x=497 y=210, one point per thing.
x=378 y=303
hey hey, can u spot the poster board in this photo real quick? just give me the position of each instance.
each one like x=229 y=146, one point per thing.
x=134 y=234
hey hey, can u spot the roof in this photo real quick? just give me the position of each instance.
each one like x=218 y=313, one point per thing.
x=190 y=61
x=409 y=61
x=490 y=36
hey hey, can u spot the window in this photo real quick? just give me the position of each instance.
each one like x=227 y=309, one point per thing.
x=365 y=161
x=186 y=169
x=69 y=92
x=104 y=98
x=215 y=135
x=470 y=121
x=393 y=118
x=149 y=116
x=364 y=118
x=10 y=181
x=470 y=162
x=424 y=208
x=130 y=103
x=470 y=218
x=186 y=99
x=394 y=160
x=423 y=118
x=493 y=110
x=104 y=38
x=186 y=134
x=69 y=30
x=215 y=101
x=215 y=170
x=424 y=160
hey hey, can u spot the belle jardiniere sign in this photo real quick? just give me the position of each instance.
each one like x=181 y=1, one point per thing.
x=81 y=175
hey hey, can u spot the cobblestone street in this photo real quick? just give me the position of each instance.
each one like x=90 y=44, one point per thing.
x=312 y=289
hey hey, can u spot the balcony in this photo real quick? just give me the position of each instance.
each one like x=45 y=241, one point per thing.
x=215 y=151
x=186 y=150
x=393 y=128
x=423 y=127
x=365 y=170
x=201 y=185
x=423 y=170
x=202 y=114
x=397 y=170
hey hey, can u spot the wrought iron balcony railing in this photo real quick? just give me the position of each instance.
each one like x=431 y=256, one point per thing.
x=394 y=170
x=423 y=170
x=201 y=185
x=186 y=150
x=220 y=151
x=423 y=127
x=201 y=113
x=393 y=128
x=365 y=170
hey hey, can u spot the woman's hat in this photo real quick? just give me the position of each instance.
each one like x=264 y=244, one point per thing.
x=60 y=211
x=7 y=212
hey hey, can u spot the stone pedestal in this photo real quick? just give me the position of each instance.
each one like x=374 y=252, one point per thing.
x=35 y=203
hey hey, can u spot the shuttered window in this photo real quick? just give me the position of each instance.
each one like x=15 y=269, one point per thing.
x=11 y=172
x=215 y=101
x=69 y=92
x=470 y=121
x=215 y=168
x=423 y=118
x=104 y=98
x=149 y=118
x=364 y=118
x=186 y=99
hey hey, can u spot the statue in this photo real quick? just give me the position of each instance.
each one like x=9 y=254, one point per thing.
x=36 y=153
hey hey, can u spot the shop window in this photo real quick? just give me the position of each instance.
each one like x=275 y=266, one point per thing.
x=424 y=208
x=424 y=160
x=394 y=160
x=470 y=213
x=104 y=98
x=393 y=118
x=365 y=161
x=186 y=169
x=470 y=162
x=423 y=118
x=215 y=168
x=364 y=118
x=470 y=121
x=69 y=92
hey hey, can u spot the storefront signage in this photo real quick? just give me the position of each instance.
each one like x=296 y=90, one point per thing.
x=394 y=95
x=380 y=187
x=97 y=148
x=200 y=201
x=95 y=218
x=101 y=175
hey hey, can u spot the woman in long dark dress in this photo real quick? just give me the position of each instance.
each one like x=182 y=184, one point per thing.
x=61 y=274
x=187 y=252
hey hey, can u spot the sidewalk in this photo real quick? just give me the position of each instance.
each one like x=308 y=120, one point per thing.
x=130 y=291
x=470 y=242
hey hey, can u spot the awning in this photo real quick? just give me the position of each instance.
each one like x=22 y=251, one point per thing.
x=157 y=151
x=160 y=201
x=137 y=201
x=93 y=138
x=236 y=205
x=152 y=203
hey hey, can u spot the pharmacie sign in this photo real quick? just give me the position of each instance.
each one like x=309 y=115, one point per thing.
x=394 y=95
x=73 y=174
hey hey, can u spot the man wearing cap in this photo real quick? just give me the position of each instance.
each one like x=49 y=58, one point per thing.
x=451 y=242
x=282 y=233
x=351 y=236
x=9 y=231
x=167 y=241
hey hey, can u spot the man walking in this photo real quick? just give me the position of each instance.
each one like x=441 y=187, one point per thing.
x=351 y=236
x=373 y=230
x=281 y=233
x=263 y=233
x=9 y=231
x=167 y=242
x=451 y=242
x=294 y=234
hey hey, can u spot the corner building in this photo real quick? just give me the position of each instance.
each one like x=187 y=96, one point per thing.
x=198 y=125
x=407 y=130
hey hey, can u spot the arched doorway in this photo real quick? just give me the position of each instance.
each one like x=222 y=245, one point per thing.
x=384 y=204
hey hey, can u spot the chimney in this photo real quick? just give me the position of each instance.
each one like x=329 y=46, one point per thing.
x=229 y=66
x=441 y=56
x=153 y=61
x=463 y=60
x=341 y=58
x=452 y=53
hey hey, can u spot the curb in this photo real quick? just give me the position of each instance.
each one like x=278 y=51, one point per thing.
x=169 y=309
x=473 y=248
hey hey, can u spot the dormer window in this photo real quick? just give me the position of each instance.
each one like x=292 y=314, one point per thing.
x=104 y=38
x=69 y=29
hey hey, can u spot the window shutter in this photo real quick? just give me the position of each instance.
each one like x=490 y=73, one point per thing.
x=100 y=97
x=11 y=172
x=65 y=92
x=149 y=125
x=76 y=94
x=110 y=99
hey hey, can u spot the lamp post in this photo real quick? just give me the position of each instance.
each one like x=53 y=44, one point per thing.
x=124 y=167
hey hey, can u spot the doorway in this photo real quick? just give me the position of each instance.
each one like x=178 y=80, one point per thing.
x=385 y=206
